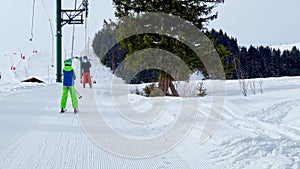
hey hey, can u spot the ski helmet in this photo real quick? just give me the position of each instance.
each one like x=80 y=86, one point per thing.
x=68 y=62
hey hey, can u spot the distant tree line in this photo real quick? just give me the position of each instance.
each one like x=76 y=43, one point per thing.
x=259 y=61
x=256 y=62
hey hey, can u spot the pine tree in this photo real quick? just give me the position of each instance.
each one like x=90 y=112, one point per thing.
x=227 y=61
x=106 y=47
x=196 y=12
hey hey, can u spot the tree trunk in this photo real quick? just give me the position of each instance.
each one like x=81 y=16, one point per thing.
x=165 y=82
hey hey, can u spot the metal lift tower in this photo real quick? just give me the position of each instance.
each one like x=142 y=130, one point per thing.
x=63 y=17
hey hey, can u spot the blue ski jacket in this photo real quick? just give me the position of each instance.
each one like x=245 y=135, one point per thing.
x=69 y=76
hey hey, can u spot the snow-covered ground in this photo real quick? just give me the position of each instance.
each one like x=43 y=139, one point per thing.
x=261 y=130
x=283 y=47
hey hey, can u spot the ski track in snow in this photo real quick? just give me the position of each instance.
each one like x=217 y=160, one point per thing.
x=255 y=139
x=272 y=140
x=57 y=141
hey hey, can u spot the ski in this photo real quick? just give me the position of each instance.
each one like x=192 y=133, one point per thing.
x=76 y=110
x=63 y=110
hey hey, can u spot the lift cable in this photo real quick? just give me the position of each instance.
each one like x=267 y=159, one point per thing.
x=86 y=48
x=32 y=20
x=73 y=33
x=51 y=29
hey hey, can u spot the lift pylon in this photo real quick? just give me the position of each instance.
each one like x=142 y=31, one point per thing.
x=63 y=17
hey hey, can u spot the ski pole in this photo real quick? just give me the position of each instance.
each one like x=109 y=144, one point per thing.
x=78 y=94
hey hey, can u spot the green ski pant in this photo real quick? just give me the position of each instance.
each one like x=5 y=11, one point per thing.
x=65 y=94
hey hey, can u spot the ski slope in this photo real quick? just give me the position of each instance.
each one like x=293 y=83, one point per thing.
x=261 y=130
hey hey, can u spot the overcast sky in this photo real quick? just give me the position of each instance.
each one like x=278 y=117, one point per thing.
x=258 y=22
x=16 y=17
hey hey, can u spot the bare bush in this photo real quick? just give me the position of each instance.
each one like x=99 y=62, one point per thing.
x=244 y=86
x=186 y=89
x=201 y=89
x=252 y=87
x=260 y=85
x=240 y=72
x=191 y=89
x=149 y=88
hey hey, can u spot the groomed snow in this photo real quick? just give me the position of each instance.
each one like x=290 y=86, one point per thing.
x=261 y=130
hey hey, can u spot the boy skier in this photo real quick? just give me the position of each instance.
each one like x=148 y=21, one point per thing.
x=85 y=66
x=68 y=86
